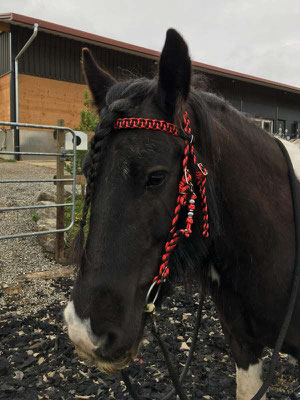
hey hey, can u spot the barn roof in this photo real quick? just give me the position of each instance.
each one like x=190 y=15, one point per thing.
x=75 y=34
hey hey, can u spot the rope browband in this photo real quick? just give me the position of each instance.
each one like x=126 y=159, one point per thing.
x=186 y=195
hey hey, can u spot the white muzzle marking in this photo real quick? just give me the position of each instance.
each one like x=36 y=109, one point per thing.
x=86 y=342
x=80 y=331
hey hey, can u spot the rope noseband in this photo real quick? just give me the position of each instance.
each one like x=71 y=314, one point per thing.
x=186 y=195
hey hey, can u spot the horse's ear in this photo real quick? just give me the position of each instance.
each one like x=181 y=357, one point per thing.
x=98 y=80
x=174 y=72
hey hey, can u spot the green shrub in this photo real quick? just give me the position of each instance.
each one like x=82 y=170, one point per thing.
x=88 y=117
x=88 y=122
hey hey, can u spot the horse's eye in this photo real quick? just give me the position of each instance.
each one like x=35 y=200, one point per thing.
x=156 y=178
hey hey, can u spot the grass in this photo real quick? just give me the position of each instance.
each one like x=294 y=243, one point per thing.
x=4 y=160
x=35 y=217
x=68 y=217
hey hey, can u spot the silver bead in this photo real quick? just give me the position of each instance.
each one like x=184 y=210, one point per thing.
x=190 y=214
x=191 y=201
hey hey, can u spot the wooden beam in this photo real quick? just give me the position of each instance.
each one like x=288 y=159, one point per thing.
x=4 y=27
x=80 y=180
x=64 y=272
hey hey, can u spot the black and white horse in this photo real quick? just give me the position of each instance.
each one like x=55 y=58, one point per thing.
x=244 y=252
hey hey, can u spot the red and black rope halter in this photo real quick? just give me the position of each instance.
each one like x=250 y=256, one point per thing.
x=186 y=195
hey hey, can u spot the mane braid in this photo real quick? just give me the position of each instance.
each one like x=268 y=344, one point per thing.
x=78 y=254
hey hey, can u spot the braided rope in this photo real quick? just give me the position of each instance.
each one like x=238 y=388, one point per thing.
x=146 y=123
x=186 y=196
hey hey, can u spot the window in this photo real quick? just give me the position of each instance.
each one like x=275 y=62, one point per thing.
x=266 y=124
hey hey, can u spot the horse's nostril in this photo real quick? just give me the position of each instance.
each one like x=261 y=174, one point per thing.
x=99 y=352
x=107 y=345
x=111 y=339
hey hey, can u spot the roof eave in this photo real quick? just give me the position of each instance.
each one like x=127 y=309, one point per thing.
x=18 y=19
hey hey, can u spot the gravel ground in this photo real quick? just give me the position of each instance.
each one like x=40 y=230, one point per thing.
x=37 y=360
x=24 y=255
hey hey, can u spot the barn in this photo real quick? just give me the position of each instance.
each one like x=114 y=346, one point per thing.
x=50 y=85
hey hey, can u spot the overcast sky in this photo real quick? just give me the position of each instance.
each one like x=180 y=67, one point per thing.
x=256 y=37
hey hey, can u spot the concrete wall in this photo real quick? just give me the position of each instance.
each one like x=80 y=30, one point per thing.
x=30 y=140
x=6 y=143
x=37 y=141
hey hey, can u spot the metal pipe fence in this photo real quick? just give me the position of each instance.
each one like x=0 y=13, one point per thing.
x=62 y=155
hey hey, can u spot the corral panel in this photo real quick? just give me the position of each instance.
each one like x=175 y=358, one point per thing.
x=4 y=53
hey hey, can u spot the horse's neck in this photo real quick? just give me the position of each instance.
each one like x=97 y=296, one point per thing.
x=250 y=179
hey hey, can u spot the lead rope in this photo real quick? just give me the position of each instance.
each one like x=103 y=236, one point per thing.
x=296 y=280
x=186 y=198
x=177 y=382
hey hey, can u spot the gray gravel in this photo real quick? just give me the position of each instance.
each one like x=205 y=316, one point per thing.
x=25 y=255
x=36 y=355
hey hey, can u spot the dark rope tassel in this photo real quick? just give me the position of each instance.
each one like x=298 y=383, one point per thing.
x=77 y=246
x=126 y=379
x=173 y=373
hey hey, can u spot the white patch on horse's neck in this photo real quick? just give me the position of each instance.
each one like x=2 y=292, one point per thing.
x=214 y=275
x=294 y=153
x=248 y=382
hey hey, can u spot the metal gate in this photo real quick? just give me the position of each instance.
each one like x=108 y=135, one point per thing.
x=61 y=154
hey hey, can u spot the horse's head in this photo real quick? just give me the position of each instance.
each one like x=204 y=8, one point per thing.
x=133 y=177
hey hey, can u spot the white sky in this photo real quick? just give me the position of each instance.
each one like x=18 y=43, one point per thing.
x=256 y=37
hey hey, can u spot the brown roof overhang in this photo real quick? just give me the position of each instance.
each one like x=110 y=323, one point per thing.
x=18 y=19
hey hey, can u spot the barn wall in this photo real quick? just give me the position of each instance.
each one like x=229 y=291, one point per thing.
x=260 y=101
x=44 y=101
x=56 y=57
x=5 y=98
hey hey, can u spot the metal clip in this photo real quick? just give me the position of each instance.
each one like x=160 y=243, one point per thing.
x=150 y=307
x=190 y=183
x=202 y=169
x=186 y=172
x=63 y=154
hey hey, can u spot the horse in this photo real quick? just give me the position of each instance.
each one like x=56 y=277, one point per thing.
x=166 y=144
